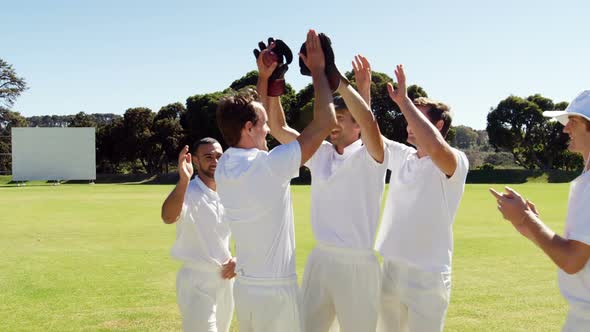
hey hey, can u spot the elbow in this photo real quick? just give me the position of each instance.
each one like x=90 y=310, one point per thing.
x=572 y=267
x=167 y=219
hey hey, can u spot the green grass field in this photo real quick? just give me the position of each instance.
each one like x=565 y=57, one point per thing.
x=96 y=257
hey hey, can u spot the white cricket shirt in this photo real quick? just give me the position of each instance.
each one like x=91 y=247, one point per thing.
x=346 y=194
x=254 y=186
x=576 y=288
x=201 y=237
x=416 y=227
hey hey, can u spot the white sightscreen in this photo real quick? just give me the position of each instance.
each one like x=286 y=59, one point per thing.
x=53 y=154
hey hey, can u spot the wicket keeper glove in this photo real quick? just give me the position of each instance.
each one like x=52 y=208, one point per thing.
x=281 y=53
x=332 y=73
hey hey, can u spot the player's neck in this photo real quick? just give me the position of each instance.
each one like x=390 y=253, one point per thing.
x=209 y=182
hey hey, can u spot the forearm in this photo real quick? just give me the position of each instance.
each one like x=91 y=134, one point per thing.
x=559 y=249
x=324 y=119
x=172 y=206
x=427 y=136
x=371 y=135
x=365 y=94
x=262 y=89
x=323 y=112
x=357 y=106
x=278 y=123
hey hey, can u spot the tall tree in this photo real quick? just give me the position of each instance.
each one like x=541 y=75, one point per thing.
x=110 y=147
x=11 y=85
x=199 y=120
x=138 y=142
x=82 y=120
x=8 y=120
x=168 y=132
x=517 y=125
x=465 y=137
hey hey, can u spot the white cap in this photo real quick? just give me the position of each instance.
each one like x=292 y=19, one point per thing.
x=580 y=106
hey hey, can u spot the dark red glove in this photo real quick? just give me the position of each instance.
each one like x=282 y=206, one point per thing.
x=332 y=72
x=281 y=53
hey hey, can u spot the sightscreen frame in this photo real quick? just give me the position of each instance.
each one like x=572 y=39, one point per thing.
x=53 y=154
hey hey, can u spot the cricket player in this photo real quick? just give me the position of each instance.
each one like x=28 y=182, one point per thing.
x=342 y=274
x=203 y=284
x=570 y=252
x=253 y=184
x=416 y=235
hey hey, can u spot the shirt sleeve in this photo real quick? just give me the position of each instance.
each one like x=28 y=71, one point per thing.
x=396 y=152
x=462 y=167
x=284 y=160
x=310 y=163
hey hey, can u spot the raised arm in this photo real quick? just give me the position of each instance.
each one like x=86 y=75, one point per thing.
x=428 y=137
x=324 y=116
x=172 y=206
x=360 y=109
x=362 y=76
x=569 y=255
x=276 y=116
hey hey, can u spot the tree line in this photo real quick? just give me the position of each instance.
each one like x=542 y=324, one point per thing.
x=146 y=141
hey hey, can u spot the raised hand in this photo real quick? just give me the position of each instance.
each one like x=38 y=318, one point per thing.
x=314 y=59
x=399 y=94
x=273 y=62
x=266 y=69
x=362 y=72
x=185 y=165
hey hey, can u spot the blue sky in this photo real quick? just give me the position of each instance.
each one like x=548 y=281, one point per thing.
x=107 y=56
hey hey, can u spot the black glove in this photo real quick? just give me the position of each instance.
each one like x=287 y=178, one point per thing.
x=283 y=55
x=332 y=72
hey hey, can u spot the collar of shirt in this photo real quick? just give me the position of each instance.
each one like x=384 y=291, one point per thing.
x=208 y=191
x=352 y=148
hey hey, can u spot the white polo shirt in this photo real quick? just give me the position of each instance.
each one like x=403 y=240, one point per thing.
x=576 y=288
x=421 y=204
x=346 y=194
x=254 y=186
x=201 y=237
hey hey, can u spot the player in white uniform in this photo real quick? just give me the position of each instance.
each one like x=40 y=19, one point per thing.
x=416 y=237
x=342 y=273
x=571 y=252
x=203 y=284
x=253 y=184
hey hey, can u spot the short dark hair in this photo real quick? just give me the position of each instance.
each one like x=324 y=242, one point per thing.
x=233 y=111
x=340 y=106
x=203 y=141
x=436 y=111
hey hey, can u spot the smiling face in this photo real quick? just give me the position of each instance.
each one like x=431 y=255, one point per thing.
x=347 y=131
x=205 y=159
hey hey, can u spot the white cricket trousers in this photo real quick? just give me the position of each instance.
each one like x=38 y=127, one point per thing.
x=340 y=283
x=267 y=305
x=205 y=299
x=413 y=300
x=578 y=320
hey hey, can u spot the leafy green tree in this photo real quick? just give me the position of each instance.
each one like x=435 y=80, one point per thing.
x=199 y=120
x=82 y=120
x=168 y=132
x=465 y=137
x=8 y=120
x=138 y=142
x=110 y=147
x=518 y=126
x=11 y=85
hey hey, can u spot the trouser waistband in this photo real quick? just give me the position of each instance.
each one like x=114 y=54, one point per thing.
x=355 y=252
x=286 y=281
